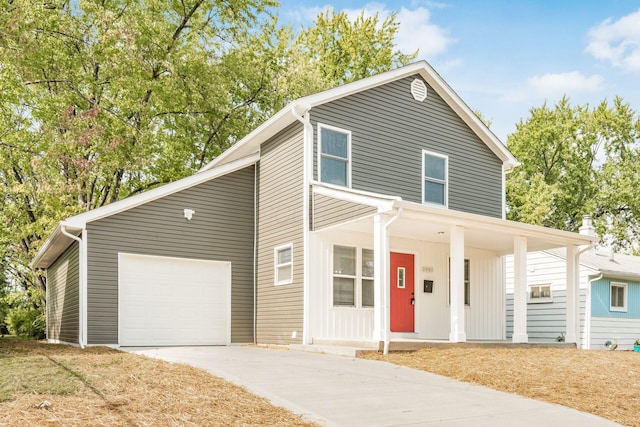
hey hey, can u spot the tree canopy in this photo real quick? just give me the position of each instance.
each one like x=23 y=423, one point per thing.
x=578 y=160
x=102 y=99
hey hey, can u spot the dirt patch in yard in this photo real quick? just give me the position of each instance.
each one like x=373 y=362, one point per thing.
x=604 y=383
x=45 y=384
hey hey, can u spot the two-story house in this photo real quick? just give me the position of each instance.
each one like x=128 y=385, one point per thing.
x=369 y=212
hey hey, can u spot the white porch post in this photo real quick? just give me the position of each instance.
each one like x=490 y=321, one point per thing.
x=572 y=295
x=456 y=250
x=380 y=278
x=520 y=290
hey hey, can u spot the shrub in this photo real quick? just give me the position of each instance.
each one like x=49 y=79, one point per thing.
x=25 y=314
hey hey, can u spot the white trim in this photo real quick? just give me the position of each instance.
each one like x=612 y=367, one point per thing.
x=276 y=266
x=617 y=309
x=435 y=180
x=286 y=116
x=320 y=127
x=79 y=222
x=398 y=281
x=540 y=299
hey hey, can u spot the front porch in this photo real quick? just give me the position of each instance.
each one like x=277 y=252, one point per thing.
x=457 y=277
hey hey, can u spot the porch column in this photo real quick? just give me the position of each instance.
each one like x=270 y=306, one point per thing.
x=380 y=278
x=456 y=277
x=520 y=289
x=572 y=295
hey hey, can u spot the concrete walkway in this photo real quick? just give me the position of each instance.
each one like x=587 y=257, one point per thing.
x=343 y=391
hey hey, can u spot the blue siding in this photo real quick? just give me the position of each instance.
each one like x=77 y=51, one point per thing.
x=601 y=299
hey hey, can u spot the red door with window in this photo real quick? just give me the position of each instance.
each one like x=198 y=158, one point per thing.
x=402 y=292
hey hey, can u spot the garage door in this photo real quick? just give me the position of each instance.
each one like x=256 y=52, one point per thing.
x=173 y=301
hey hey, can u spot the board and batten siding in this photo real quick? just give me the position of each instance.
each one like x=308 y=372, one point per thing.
x=389 y=131
x=328 y=211
x=222 y=229
x=280 y=309
x=63 y=304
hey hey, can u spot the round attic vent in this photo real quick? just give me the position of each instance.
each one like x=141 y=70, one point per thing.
x=418 y=90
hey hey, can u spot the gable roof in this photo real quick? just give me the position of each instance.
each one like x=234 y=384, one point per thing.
x=251 y=143
x=607 y=263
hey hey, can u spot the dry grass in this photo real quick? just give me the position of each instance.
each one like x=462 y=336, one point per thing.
x=100 y=386
x=604 y=383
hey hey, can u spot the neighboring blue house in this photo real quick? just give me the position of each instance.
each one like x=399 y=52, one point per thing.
x=609 y=297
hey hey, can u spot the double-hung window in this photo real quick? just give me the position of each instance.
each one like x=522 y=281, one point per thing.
x=352 y=277
x=467 y=282
x=618 y=296
x=434 y=178
x=283 y=264
x=334 y=155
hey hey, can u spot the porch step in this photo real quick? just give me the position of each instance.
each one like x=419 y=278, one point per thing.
x=345 y=348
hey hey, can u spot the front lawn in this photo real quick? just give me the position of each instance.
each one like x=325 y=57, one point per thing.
x=604 y=383
x=59 y=385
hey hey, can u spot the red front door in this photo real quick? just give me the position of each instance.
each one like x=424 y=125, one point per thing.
x=402 y=293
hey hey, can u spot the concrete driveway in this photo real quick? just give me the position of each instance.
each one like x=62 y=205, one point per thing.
x=343 y=391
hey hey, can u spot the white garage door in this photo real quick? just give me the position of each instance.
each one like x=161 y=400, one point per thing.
x=173 y=301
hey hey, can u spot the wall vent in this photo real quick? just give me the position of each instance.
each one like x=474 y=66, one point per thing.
x=418 y=90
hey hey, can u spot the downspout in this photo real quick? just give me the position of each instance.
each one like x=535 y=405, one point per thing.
x=81 y=284
x=255 y=252
x=587 y=311
x=387 y=305
x=307 y=167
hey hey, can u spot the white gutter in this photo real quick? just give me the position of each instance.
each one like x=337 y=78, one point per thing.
x=82 y=283
x=387 y=292
x=587 y=311
x=303 y=117
x=255 y=253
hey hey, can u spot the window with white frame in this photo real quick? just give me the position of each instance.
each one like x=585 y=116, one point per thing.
x=435 y=171
x=539 y=293
x=283 y=264
x=467 y=282
x=352 y=277
x=618 y=296
x=334 y=155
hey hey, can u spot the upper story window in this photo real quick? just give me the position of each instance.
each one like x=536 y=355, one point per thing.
x=283 y=264
x=618 y=296
x=434 y=178
x=334 y=155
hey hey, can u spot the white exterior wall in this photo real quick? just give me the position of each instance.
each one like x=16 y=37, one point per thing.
x=546 y=320
x=484 y=318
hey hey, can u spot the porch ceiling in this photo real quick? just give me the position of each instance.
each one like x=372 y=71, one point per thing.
x=497 y=235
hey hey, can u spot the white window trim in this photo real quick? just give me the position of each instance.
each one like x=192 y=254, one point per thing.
x=403 y=277
x=446 y=178
x=358 y=278
x=622 y=309
x=276 y=266
x=319 y=154
x=540 y=300
x=466 y=305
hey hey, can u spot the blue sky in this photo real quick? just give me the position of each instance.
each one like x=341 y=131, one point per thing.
x=505 y=57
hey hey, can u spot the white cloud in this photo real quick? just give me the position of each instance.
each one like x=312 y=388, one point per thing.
x=617 y=42
x=556 y=85
x=416 y=32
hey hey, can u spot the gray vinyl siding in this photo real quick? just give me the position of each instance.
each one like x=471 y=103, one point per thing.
x=389 y=131
x=328 y=211
x=63 y=304
x=280 y=308
x=545 y=321
x=222 y=229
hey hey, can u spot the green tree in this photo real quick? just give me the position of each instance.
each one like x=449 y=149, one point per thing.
x=100 y=99
x=578 y=160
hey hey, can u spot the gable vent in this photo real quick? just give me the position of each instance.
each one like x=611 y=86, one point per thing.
x=418 y=90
